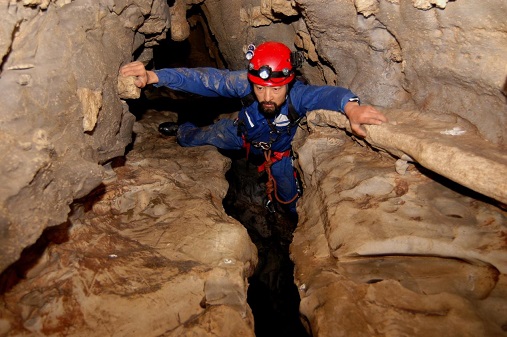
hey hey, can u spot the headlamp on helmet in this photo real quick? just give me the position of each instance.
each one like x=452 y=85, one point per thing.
x=265 y=72
x=250 y=51
x=270 y=64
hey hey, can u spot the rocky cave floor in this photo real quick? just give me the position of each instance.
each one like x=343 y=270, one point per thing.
x=153 y=252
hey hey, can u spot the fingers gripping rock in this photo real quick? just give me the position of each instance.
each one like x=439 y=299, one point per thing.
x=127 y=88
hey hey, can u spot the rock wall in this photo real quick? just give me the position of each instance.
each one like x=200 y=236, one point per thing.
x=439 y=56
x=61 y=115
x=151 y=252
x=383 y=249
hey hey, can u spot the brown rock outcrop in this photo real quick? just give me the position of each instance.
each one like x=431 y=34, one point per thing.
x=61 y=115
x=382 y=253
x=150 y=253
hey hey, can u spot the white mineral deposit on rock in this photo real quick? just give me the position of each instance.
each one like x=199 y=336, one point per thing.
x=455 y=131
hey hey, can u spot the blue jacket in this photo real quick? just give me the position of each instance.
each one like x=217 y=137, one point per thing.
x=211 y=82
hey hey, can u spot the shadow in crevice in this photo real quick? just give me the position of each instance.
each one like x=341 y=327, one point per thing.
x=272 y=293
x=31 y=255
x=198 y=110
x=460 y=189
x=504 y=90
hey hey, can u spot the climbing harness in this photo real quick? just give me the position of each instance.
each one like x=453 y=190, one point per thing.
x=271 y=183
x=271 y=157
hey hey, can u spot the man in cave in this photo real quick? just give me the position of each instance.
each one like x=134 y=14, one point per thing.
x=273 y=104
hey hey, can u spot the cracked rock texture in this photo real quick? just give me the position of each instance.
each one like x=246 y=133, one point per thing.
x=61 y=114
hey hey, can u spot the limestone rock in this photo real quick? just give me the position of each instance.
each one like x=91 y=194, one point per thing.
x=61 y=115
x=91 y=102
x=427 y=4
x=440 y=58
x=180 y=28
x=272 y=8
x=447 y=146
x=367 y=7
x=151 y=252
x=378 y=253
x=127 y=89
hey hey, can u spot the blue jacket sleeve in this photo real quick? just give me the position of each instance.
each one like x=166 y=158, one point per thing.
x=209 y=82
x=306 y=98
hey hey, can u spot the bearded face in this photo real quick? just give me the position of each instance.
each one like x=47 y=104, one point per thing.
x=270 y=99
x=269 y=109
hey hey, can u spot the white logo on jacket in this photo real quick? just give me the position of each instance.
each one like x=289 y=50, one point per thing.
x=281 y=120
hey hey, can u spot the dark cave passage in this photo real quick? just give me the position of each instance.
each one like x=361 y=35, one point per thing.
x=272 y=294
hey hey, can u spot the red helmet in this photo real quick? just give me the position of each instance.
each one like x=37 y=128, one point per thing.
x=271 y=65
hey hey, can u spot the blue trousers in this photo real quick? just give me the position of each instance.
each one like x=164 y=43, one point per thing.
x=224 y=135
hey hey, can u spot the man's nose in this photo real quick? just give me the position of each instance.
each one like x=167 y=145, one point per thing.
x=268 y=94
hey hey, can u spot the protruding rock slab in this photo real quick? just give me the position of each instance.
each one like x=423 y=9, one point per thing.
x=443 y=144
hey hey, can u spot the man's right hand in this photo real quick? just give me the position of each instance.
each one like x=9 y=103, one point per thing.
x=144 y=77
x=363 y=114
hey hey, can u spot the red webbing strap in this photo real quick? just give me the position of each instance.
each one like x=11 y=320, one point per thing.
x=271 y=183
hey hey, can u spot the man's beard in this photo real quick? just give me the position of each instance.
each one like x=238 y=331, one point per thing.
x=269 y=109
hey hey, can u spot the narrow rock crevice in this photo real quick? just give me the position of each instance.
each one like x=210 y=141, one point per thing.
x=272 y=293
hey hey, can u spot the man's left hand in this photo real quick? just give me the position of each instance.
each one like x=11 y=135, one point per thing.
x=363 y=114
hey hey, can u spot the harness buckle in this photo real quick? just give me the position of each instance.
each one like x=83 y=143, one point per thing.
x=262 y=145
